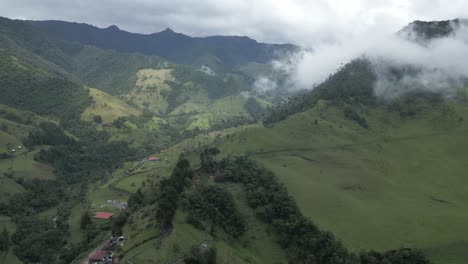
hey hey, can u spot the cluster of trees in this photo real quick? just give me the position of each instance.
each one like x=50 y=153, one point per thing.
x=136 y=200
x=48 y=133
x=75 y=161
x=350 y=113
x=207 y=162
x=26 y=86
x=351 y=84
x=414 y=102
x=148 y=139
x=170 y=190
x=303 y=241
x=40 y=240
x=25 y=118
x=39 y=195
x=217 y=86
x=4 y=240
x=255 y=109
x=210 y=206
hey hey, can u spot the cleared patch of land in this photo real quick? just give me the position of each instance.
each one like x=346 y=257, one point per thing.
x=107 y=106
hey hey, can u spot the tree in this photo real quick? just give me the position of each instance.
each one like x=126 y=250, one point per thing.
x=97 y=119
x=135 y=200
x=85 y=220
x=4 y=240
x=208 y=163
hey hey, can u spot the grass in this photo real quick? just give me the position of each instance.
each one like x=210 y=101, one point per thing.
x=15 y=126
x=149 y=89
x=24 y=166
x=8 y=257
x=107 y=106
x=257 y=245
x=74 y=220
x=21 y=166
x=8 y=188
x=399 y=184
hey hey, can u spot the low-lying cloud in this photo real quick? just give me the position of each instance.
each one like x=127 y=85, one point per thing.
x=440 y=64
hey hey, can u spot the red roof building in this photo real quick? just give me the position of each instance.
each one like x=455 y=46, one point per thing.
x=98 y=256
x=154 y=159
x=103 y=215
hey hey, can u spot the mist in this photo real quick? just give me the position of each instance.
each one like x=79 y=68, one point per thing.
x=441 y=63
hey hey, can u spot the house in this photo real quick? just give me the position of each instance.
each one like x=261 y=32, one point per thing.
x=19 y=147
x=154 y=159
x=103 y=215
x=13 y=150
x=100 y=256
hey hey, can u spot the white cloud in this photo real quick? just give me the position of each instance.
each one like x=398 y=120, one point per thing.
x=305 y=22
x=441 y=64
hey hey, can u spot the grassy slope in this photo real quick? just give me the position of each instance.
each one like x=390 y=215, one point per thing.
x=107 y=106
x=149 y=89
x=400 y=183
x=14 y=131
x=8 y=257
x=255 y=246
x=21 y=164
x=142 y=226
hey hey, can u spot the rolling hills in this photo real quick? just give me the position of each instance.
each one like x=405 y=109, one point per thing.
x=88 y=106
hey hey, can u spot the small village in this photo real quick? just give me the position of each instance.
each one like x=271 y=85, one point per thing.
x=105 y=252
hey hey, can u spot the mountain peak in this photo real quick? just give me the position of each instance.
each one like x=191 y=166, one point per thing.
x=168 y=31
x=113 y=27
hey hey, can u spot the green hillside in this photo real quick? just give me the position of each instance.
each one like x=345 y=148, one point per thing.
x=333 y=175
x=106 y=106
x=26 y=86
x=398 y=183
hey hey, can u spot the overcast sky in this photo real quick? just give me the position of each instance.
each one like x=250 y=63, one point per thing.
x=297 y=21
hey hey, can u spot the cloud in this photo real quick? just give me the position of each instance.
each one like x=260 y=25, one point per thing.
x=337 y=30
x=439 y=65
x=264 y=84
x=304 y=22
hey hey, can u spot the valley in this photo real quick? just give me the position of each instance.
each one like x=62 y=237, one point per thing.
x=173 y=149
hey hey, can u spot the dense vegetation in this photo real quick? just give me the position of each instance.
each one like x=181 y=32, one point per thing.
x=170 y=190
x=4 y=240
x=353 y=84
x=212 y=206
x=434 y=29
x=39 y=240
x=25 y=86
x=302 y=240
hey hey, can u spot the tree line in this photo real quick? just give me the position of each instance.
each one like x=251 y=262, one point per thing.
x=302 y=240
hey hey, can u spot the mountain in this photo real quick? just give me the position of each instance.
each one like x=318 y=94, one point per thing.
x=426 y=30
x=170 y=124
x=189 y=97
x=218 y=52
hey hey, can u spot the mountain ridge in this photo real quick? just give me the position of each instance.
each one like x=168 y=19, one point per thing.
x=177 y=47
